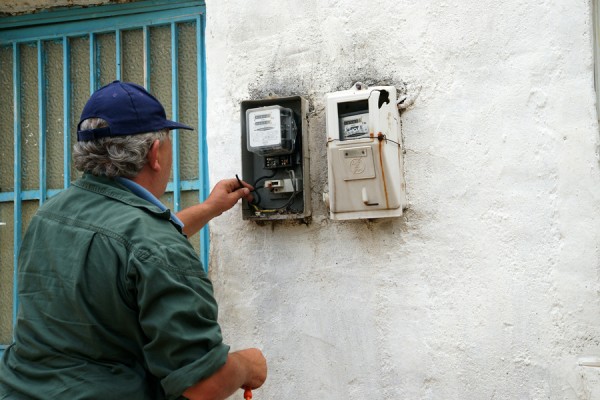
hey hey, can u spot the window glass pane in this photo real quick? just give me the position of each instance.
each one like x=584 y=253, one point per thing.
x=6 y=272
x=80 y=86
x=29 y=117
x=106 y=58
x=132 y=45
x=54 y=115
x=160 y=65
x=188 y=100
x=28 y=210
x=6 y=120
x=160 y=68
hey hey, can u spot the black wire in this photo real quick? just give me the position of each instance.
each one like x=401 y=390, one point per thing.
x=288 y=203
x=239 y=181
x=291 y=199
x=256 y=196
x=263 y=177
x=256 y=199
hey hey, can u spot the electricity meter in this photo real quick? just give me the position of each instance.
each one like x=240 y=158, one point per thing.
x=275 y=158
x=354 y=126
x=364 y=154
x=271 y=130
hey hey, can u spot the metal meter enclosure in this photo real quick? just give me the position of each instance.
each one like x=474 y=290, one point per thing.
x=275 y=158
x=364 y=154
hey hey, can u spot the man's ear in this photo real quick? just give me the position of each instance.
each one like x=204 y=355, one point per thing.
x=152 y=156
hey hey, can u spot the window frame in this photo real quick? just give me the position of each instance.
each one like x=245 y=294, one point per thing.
x=66 y=23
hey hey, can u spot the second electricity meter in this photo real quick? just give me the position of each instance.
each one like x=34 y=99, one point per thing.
x=364 y=154
x=271 y=130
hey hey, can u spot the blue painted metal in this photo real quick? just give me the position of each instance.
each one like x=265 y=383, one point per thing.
x=93 y=68
x=104 y=25
x=175 y=116
x=17 y=172
x=66 y=111
x=118 y=53
x=203 y=192
x=146 y=39
x=87 y=13
x=9 y=197
x=183 y=185
x=42 y=120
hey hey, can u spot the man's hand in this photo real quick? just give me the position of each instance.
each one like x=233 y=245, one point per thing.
x=224 y=195
x=244 y=369
x=256 y=365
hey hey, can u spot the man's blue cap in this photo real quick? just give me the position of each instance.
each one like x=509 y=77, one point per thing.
x=128 y=109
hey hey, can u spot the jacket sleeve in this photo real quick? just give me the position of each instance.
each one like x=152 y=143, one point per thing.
x=178 y=315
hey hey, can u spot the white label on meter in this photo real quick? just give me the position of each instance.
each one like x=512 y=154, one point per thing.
x=355 y=126
x=265 y=128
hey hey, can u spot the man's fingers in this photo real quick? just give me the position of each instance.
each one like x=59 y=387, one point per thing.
x=244 y=193
x=247 y=185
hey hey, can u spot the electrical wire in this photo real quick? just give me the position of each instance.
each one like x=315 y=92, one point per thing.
x=287 y=203
x=380 y=138
x=264 y=177
x=256 y=195
x=390 y=140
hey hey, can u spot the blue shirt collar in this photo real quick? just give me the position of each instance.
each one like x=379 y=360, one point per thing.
x=142 y=192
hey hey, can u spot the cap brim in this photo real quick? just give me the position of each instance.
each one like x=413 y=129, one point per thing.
x=176 y=125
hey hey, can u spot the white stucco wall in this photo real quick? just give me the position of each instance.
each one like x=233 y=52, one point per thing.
x=488 y=287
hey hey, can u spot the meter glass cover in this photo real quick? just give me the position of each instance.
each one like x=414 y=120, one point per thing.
x=354 y=126
x=264 y=128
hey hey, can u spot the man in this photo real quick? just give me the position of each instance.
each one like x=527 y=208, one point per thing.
x=114 y=303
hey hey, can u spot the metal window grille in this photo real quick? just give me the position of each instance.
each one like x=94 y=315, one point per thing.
x=49 y=64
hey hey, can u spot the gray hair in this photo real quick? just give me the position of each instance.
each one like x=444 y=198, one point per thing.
x=114 y=156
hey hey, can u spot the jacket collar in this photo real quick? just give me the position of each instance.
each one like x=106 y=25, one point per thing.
x=111 y=188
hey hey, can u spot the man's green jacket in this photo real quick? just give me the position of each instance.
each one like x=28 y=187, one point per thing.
x=113 y=302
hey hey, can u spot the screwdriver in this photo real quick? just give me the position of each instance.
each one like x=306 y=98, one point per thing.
x=247 y=394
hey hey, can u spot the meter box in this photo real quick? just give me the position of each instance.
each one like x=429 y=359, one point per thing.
x=364 y=154
x=275 y=158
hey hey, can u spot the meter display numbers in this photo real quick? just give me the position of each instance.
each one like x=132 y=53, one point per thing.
x=354 y=126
